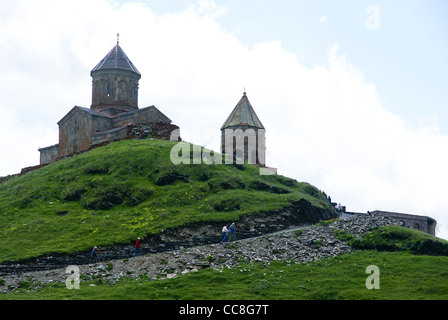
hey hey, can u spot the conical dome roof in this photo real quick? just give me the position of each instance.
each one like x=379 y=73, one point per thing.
x=243 y=115
x=116 y=59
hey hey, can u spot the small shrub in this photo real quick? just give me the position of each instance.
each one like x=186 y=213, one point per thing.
x=208 y=258
x=138 y=196
x=226 y=184
x=73 y=193
x=317 y=243
x=105 y=199
x=227 y=205
x=326 y=222
x=259 y=185
x=279 y=190
x=429 y=247
x=343 y=235
x=204 y=176
x=298 y=233
x=170 y=178
x=287 y=181
x=262 y=186
x=24 y=202
x=25 y=284
x=96 y=169
x=239 y=166
x=394 y=238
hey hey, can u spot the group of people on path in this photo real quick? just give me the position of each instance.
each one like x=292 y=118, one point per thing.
x=230 y=232
x=336 y=206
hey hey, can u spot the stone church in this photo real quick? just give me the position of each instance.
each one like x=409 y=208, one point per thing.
x=113 y=115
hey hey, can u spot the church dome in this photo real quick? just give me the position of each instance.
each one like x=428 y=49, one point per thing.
x=115 y=83
x=116 y=59
x=243 y=115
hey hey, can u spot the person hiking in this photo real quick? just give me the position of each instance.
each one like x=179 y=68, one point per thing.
x=232 y=232
x=224 y=233
x=138 y=247
x=93 y=255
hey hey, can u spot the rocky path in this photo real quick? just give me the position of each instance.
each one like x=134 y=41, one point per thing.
x=299 y=245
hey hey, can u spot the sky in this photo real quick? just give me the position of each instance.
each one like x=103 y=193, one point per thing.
x=352 y=93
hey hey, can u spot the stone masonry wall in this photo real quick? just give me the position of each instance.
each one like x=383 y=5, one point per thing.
x=156 y=130
x=422 y=223
x=49 y=154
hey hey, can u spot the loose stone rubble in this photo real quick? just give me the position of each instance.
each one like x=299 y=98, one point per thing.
x=155 y=130
x=294 y=245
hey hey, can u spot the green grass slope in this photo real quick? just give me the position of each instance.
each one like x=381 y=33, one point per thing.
x=410 y=264
x=396 y=238
x=128 y=189
x=402 y=276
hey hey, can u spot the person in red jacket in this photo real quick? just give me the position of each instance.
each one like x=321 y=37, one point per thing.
x=138 y=247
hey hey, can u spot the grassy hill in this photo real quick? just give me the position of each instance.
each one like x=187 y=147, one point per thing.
x=129 y=189
x=403 y=276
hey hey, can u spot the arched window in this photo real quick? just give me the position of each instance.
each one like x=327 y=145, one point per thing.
x=416 y=226
x=246 y=149
x=133 y=93
x=108 y=89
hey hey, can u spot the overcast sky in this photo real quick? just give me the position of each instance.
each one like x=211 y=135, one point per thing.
x=353 y=94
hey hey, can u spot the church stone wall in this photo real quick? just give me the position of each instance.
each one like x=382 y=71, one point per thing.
x=81 y=129
x=108 y=136
x=75 y=132
x=245 y=144
x=114 y=109
x=49 y=154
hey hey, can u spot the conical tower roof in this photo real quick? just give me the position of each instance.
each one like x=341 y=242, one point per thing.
x=116 y=59
x=243 y=115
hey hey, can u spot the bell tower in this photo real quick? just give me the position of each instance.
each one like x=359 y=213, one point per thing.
x=115 y=82
x=243 y=135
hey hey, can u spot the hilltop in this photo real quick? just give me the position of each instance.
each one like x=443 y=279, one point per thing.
x=113 y=194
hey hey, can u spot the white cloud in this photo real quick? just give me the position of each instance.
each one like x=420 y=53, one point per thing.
x=325 y=125
x=19 y=143
x=323 y=19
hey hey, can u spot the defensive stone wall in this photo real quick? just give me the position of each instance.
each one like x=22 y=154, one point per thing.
x=422 y=223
